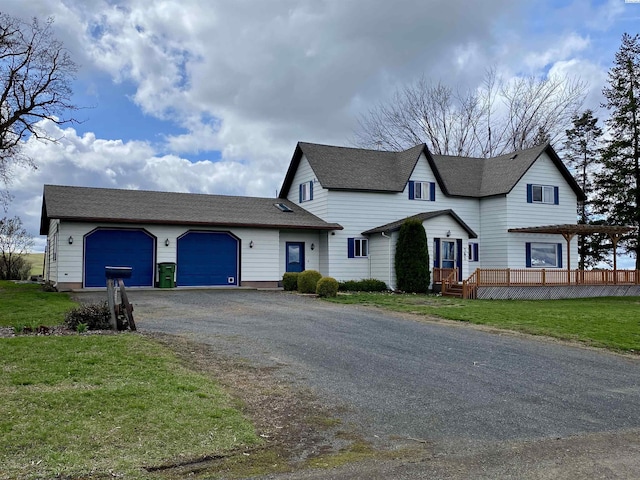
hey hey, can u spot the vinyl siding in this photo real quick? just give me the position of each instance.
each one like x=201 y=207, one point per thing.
x=304 y=173
x=311 y=257
x=361 y=211
x=260 y=263
x=494 y=246
x=519 y=213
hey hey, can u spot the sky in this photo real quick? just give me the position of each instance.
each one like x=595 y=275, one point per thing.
x=212 y=96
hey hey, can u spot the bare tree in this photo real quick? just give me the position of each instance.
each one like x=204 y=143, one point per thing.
x=499 y=117
x=36 y=73
x=15 y=242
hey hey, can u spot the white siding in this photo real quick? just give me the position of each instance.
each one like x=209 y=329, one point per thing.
x=311 y=257
x=519 y=213
x=51 y=267
x=304 y=173
x=361 y=211
x=260 y=263
x=381 y=253
x=492 y=251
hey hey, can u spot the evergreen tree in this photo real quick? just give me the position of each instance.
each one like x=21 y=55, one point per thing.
x=412 y=258
x=581 y=149
x=619 y=180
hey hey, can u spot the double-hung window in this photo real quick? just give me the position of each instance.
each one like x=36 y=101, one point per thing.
x=422 y=190
x=542 y=194
x=306 y=191
x=544 y=255
x=358 y=247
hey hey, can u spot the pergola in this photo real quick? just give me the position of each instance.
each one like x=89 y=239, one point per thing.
x=569 y=231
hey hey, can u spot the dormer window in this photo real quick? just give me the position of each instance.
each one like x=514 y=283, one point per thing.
x=306 y=191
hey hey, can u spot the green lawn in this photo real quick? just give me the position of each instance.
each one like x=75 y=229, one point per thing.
x=25 y=304
x=611 y=322
x=101 y=406
x=36 y=260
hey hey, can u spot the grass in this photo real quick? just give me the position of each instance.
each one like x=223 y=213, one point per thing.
x=23 y=304
x=36 y=260
x=610 y=322
x=101 y=406
x=98 y=406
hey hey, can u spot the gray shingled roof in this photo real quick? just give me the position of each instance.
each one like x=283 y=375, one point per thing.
x=394 y=226
x=484 y=177
x=140 y=206
x=341 y=168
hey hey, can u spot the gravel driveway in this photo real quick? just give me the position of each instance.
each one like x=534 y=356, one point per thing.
x=490 y=400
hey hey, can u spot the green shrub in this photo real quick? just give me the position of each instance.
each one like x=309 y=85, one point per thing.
x=327 y=287
x=308 y=280
x=364 y=285
x=96 y=316
x=290 y=281
x=412 y=258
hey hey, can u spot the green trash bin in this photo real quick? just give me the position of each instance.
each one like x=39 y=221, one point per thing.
x=166 y=275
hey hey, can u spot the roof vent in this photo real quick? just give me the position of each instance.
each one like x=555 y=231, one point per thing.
x=283 y=208
x=513 y=157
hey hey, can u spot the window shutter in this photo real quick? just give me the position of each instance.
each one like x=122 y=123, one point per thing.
x=459 y=258
x=476 y=252
x=528 y=253
x=556 y=196
x=411 y=190
x=311 y=190
x=432 y=191
x=529 y=193
x=436 y=248
x=350 y=248
x=559 y=263
x=300 y=193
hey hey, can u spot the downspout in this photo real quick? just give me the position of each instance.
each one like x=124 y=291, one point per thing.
x=388 y=237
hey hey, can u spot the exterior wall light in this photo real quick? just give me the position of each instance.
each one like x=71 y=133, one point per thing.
x=70 y=240
x=448 y=233
x=251 y=244
x=166 y=242
x=313 y=246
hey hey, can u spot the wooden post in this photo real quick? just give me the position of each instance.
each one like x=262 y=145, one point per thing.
x=111 y=300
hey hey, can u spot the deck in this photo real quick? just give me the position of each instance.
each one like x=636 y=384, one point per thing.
x=538 y=283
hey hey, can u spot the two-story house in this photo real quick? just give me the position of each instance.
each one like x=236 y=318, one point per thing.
x=467 y=206
x=338 y=211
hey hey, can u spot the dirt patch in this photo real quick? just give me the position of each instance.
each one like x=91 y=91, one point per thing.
x=297 y=429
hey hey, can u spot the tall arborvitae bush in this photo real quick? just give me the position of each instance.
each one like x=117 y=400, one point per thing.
x=412 y=258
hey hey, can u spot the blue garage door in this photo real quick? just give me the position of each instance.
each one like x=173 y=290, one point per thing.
x=119 y=248
x=207 y=259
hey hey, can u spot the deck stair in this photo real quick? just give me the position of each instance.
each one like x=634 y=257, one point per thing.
x=453 y=290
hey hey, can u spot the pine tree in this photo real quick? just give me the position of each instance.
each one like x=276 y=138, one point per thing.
x=619 y=180
x=412 y=258
x=581 y=149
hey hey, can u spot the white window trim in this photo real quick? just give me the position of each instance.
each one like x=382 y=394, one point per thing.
x=543 y=188
x=555 y=256
x=358 y=244
x=425 y=191
x=305 y=192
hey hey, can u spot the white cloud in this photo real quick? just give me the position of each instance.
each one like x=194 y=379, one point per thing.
x=250 y=79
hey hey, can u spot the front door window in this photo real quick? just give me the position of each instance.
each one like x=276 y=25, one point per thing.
x=295 y=256
x=448 y=254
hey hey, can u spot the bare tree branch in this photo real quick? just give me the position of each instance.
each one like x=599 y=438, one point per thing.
x=36 y=74
x=494 y=119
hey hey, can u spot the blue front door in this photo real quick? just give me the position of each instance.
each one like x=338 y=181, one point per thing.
x=295 y=256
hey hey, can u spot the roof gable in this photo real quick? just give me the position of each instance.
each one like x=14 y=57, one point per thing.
x=107 y=205
x=344 y=168
x=394 y=226
x=356 y=169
